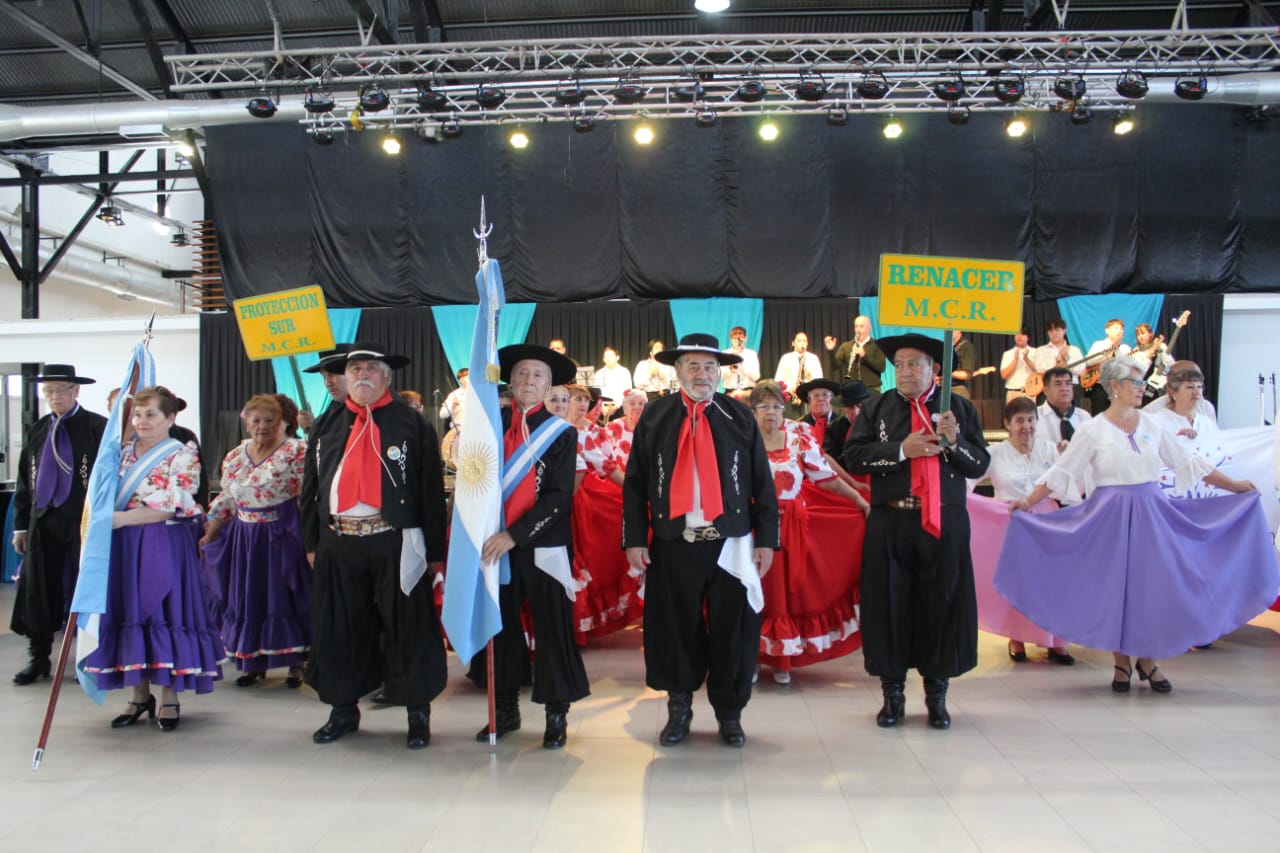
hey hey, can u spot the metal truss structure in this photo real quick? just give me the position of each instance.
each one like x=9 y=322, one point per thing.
x=563 y=80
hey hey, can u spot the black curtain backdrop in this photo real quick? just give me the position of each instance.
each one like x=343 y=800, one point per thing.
x=228 y=378
x=1186 y=203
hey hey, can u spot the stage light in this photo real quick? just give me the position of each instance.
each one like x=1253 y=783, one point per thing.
x=323 y=136
x=1015 y=127
x=451 y=129
x=519 y=139
x=873 y=88
x=108 y=212
x=768 y=131
x=1009 y=90
x=958 y=115
x=584 y=124
x=391 y=143
x=186 y=150
x=948 y=90
x=643 y=134
x=629 y=92
x=711 y=6
x=1132 y=84
x=317 y=101
x=750 y=91
x=1122 y=124
x=570 y=97
x=431 y=100
x=837 y=117
x=1191 y=88
x=892 y=129
x=490 y=96
x=1069 y=88
x=261 y=106
x=179 y=239
x=707 y=119
x=687 y=93
x=373 y=98
x=811 y=89
x=1081 y=115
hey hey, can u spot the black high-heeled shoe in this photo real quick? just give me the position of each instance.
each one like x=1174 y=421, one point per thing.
x=168 y=724
x=1161 y=686
x=1121 y=686
x=294 y=681
x=250 y=678
x=139 y=708
x=1017 y=655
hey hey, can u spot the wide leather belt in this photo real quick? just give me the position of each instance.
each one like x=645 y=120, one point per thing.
x=700 y=534
x=909 y=502
x=362 y=525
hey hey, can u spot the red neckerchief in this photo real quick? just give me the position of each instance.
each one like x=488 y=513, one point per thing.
x=361 y=477
x=525 y=494
x=696 y=446
x=819 y=429
x=926 y=479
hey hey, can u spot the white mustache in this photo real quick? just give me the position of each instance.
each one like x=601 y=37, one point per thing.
x=364 y=383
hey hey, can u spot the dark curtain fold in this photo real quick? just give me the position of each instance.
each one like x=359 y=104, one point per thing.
x=1201 y=339
x=1186 y=203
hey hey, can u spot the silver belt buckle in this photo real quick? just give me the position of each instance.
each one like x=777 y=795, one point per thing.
x=704 y=534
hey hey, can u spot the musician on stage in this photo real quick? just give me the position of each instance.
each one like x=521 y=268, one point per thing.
x=743 y=375
x=857 y=360
x=795 y=368
x=1060 y=353
x=964 y=364
x=1016 y=365
x=1153 y=357
x=1107 y=348
x=652 y=376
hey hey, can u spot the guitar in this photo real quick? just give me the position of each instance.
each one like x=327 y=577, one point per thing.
x=1090 y=377
x=1156 y=378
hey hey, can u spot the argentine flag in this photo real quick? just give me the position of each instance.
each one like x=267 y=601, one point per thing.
x=90 y=599
x=470 y=614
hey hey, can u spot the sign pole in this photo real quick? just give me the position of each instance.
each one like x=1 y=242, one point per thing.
x=948 y=358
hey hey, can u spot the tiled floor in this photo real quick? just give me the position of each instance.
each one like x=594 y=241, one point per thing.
x=1040 y=758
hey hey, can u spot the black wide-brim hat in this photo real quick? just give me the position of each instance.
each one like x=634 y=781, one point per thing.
x=361 y=351
x=853 y=394
x=563 y=370
x=931 y=347
x=62 y=373
x=337 y=354
x=700 y=343
x=802 y=391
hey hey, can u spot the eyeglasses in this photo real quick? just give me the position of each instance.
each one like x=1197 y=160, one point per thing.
x=1137 y=383
x=57 y=390
x=770 y=407
x=917 y=364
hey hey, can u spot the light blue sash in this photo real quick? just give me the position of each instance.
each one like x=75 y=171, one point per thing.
x=531 y=451
x=138 y=471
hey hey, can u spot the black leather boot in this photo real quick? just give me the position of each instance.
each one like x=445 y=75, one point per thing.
x=935 y=701
x=557 y=725
x=342 y=719
x=37 y=669
x=506 y=714
x=894 y=702
x=419 y=728
x=679 y=716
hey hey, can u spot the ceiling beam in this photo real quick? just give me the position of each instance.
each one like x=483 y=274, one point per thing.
x=92 y=33
x=428 y=24
x=371 y=20
x=175 y=26
x=11 y=11
x=154 y=53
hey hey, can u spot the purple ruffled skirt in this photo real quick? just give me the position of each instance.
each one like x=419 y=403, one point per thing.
x=156 y=626
x=263 y=586
x=1133 y=571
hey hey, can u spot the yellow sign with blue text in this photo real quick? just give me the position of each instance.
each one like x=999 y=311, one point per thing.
x=289 y=322
x=951 y=293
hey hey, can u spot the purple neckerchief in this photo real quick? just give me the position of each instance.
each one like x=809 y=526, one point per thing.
x=53 y=478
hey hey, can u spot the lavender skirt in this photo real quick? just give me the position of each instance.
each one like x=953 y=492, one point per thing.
x=261 y=581
x=156 y=626
x=1133 y=571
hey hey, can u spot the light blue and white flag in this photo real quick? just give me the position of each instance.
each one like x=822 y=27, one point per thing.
x=471 y=615
x=90 y=599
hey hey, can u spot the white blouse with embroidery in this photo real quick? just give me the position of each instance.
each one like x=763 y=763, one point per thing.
x=1014 y=474
x=799 y=458
x=1117 y=458
x=272 y=481
x=171 y=485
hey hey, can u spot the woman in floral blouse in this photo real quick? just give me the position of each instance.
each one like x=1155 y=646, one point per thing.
x=259 y=562
x=810 y=593
x=156 y=625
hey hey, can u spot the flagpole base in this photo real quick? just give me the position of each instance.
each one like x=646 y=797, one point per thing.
x=39 y=756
